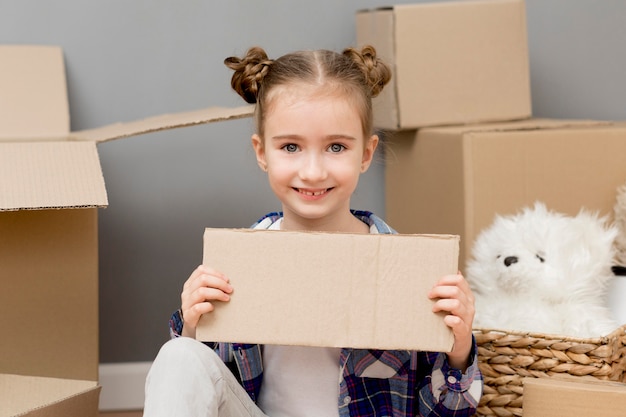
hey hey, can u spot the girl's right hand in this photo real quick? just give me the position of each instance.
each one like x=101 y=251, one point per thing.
x=203 y=286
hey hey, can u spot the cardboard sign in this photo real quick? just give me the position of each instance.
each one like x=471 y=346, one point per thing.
x=329 y=289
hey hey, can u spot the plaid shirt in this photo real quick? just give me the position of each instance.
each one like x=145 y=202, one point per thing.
x=422 y=384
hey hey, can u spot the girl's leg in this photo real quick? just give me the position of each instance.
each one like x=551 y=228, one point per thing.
x=188 y=379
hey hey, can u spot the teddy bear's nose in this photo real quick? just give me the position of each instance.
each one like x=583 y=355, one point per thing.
x=510 y=260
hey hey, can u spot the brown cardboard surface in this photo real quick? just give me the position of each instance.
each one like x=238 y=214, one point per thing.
x=456 y=179
x=329 y=289
x=50 y=397
x=566 y=397
x=34 y=100
x=49 y=297
x=453 y=62
x=51 y=185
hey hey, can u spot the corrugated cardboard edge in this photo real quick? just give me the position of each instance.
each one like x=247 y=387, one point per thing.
x=83 y=404
x=568 y=380
x=162 y=122
x=520 y=125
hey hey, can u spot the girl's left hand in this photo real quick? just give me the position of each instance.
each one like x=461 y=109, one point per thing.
x=453 y=295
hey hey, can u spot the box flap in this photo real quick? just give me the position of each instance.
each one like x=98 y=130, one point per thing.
x=43 y=175
x=21 y=395
x=329 y=289
x=33 y=102
x=162 y=122
x=520 y=125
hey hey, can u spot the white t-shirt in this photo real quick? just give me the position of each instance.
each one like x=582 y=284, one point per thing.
x=300 y=381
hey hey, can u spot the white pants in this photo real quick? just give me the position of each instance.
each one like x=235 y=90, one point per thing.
x=188 y=379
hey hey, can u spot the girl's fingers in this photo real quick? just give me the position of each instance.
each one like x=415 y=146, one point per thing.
x=200 y=302
x=452 y=286
x=202 y=276
x=204 y=286
x=206 y=277
x=453 y=295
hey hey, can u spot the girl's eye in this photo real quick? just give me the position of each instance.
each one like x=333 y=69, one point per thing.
x=336 y=147
x=541 y=257
x=290 y=147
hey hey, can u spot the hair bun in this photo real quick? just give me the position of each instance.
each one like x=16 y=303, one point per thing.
x=249 y=73
x=377 y=73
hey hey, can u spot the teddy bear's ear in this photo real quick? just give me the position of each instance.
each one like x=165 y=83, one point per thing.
x=597 y=234
x=540 y=206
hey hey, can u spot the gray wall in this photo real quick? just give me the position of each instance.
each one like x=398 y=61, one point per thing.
x=132 y=59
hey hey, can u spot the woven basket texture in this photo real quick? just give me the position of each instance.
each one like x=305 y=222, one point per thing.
x=505 y=358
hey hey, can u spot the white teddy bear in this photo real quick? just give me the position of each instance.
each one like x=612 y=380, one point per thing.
x=545 y=272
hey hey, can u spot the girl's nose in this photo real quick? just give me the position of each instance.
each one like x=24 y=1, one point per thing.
x=313 y=168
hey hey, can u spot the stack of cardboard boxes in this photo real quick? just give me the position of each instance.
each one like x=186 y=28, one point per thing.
x=463 y=144
x=51 y=186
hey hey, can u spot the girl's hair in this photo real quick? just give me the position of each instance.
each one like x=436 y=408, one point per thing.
x=359 y=75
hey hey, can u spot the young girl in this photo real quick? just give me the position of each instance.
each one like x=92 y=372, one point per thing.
x=314 y=137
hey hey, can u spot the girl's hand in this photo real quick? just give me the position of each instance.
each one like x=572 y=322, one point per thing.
x=203 y=286
x=453 y=295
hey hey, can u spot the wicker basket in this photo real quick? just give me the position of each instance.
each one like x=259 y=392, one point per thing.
x=505 y=358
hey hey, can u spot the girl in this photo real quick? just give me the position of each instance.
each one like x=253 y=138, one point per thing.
x=313 y=139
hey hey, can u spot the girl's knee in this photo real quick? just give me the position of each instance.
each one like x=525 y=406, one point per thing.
x=177 y=345
x=187 y=355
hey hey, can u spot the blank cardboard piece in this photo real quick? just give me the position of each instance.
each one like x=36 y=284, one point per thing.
x=329 y=289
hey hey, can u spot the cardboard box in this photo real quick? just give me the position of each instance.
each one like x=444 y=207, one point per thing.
x=50 y=397
x=453 y=62
x=566 y=397
x=329 y=289
x=455 y=180
x=51 y=186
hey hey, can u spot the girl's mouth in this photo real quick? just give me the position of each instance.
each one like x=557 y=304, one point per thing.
x=312 y=193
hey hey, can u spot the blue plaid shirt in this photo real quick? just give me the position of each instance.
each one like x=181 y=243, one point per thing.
x=424 y=384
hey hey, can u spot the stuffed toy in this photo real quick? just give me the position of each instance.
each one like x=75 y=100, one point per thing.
x=544 y=272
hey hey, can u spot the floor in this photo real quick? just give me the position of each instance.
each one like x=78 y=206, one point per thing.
x=121 y=414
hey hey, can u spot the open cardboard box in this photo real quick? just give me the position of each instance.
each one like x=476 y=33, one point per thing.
x=329 y=289
x=566 y=397
x=51 y=186
x=456 y=179
x=50 y=397
x=453 y=62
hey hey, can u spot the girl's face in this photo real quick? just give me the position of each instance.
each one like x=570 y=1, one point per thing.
x=314 y=151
